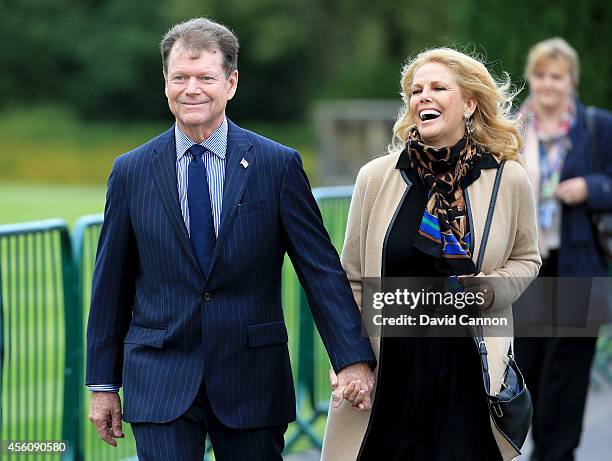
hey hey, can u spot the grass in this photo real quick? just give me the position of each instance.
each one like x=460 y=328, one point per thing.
x=32 y=202
x=49 y=145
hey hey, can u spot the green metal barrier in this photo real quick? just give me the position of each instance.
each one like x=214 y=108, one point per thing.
x=37 y=284
x=601 y=371
x=334 y=203
x=313 y=389
x=85 y=242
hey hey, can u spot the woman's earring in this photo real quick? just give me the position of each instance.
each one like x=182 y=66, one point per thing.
x=469 y=124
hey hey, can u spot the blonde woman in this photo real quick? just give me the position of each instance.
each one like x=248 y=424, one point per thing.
x=560 y=154
x=448 y=143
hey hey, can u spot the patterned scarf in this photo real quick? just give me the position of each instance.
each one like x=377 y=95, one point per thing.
x=552 y=149
x=444 y=231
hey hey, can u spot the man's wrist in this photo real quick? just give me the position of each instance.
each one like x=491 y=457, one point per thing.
x=103 y=387
x=371 y=364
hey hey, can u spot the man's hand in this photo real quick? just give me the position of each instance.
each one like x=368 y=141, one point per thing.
x=105 y=414
x=573 y=191
x=354 y=383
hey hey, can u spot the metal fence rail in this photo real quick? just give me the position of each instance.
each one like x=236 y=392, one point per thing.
x=310 y=357
x=45 y=286
x=85 y=241
x=35 y=286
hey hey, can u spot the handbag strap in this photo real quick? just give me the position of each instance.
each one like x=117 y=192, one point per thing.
x=591 y=113
x=490 y=211
x=479 y=333
x=596 y=167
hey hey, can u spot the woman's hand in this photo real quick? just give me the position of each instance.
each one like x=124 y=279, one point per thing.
x=333 y=378
x=356 y=392
x=573 y=191
x=479 y=285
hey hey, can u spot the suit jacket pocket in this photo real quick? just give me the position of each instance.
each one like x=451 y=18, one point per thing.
x=267 y=334
x=146 y=336
x=249 y=208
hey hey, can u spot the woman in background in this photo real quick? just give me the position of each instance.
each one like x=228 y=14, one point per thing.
x=559 y=161
x=448 y=144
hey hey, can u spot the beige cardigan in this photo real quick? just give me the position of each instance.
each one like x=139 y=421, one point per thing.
x=511 y=251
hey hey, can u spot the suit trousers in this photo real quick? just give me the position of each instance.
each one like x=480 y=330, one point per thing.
x=184 y=438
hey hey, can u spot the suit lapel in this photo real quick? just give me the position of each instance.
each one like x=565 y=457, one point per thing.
x=239 y=163
x=163 y=164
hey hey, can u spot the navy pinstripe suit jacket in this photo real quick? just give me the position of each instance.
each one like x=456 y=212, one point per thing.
x=159 y=328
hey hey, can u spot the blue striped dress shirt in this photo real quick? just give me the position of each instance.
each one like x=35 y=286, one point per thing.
x=215 y=169
x=214 y=160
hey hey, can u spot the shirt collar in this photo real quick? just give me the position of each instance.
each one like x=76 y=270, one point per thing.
x=216 y=142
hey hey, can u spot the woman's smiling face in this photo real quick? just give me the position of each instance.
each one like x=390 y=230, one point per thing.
x=438 y=106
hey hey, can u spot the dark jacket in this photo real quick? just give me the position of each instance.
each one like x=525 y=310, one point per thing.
x=579 y=254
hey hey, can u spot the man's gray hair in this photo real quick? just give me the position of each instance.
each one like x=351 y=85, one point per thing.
x=199 y=34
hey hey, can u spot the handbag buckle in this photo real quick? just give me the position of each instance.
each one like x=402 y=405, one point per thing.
x=482 y=347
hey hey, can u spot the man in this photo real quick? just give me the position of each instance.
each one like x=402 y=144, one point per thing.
x=186 y=303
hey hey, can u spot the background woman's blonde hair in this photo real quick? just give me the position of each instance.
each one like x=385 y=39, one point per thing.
x=553 y=48
x=495 y=128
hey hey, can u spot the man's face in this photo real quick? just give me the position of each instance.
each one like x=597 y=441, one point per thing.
x=198 y=90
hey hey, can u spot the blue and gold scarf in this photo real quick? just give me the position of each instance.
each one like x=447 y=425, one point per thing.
x=444 y=230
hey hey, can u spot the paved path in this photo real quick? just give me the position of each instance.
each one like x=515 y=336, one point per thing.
x=312 y=455
x=596 y=443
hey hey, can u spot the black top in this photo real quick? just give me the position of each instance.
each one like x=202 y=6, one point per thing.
x=433 y=406
x=402 y=259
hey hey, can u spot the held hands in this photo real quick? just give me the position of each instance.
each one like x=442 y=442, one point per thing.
x=573 y=191
x=105 y=414
x=354 y=383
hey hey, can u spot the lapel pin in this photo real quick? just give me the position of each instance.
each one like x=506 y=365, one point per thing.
x=244 y=163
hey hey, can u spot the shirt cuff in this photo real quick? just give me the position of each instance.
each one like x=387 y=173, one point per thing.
x=103 y=388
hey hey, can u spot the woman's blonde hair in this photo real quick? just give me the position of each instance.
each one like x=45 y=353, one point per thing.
x=553 y=48
x=495 y=128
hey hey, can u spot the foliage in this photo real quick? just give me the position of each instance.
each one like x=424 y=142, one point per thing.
x=507 y=32
x=101 y=56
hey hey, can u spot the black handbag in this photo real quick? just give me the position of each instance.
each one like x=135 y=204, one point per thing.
x=602 y=220
x=511 y=408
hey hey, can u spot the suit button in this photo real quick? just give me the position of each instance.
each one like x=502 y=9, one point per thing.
x=207 y=297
